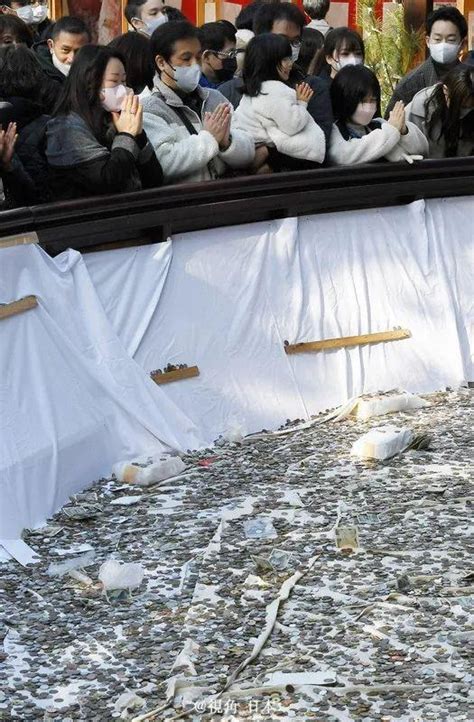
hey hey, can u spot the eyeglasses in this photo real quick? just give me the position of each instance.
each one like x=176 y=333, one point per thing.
x=223 y=56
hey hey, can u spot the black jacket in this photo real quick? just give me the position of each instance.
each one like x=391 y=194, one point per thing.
x=54 y=76
x=80 y=166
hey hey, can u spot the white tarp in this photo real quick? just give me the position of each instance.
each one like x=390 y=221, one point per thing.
x=72 y=402
x=75 y=395
x=233 y=295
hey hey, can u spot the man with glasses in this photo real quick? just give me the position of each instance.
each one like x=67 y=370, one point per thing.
x=287 y=19
x=218 y=59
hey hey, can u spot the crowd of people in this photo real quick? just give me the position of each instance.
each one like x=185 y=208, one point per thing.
x=168 y=102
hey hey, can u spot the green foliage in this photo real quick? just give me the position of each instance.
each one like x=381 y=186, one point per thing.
x=390 y=48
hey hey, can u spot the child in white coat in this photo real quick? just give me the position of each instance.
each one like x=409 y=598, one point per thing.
x=359 y=134
x=272 y=112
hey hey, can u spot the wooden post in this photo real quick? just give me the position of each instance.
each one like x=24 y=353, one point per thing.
x=20 y=306
x=19 y=240
x=330 y=344
x=178 y=375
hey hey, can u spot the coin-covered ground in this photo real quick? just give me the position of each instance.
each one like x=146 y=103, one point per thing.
x=249 y=609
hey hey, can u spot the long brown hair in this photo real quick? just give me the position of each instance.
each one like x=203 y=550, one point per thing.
x=444 y=116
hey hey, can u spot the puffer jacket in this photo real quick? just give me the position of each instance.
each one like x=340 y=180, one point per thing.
x=187 y=157
x=276 y=117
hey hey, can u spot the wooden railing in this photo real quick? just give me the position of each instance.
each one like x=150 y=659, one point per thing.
x=153 y=215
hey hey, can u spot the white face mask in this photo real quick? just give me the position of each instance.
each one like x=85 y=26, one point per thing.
x=26 y=14
x=444 y=53
x=63 y=68
x=151 y=25
x=112 y=98
x=364 y=113
x=348 y=60
x=187 y=77
x=295 y=52
x=40 y=13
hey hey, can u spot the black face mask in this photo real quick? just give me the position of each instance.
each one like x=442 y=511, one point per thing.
x=227 y=72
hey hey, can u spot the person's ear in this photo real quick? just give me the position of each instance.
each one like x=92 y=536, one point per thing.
x=160 y=62
x=50 y=44
x=427 y=40
x=138 y=25
x=463 y=46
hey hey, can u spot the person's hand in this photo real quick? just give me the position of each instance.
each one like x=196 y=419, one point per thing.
x=304 y=92
x=260 y=158
x=8 y=139
x=217 y=124
x=130 y=118
x=397 y=117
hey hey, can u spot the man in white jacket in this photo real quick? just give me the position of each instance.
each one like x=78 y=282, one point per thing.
x=189 y=126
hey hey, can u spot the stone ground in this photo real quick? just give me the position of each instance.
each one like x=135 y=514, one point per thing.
x=383 y=633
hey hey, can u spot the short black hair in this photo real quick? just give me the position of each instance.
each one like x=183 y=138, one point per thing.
x=262 y=56
x=22 y=76
x=334 y=41
x=244 y=20
x=17 y=29
x=270 y=13
x=316 y=9
x=132 y=10
x=349 y=88
x=70 y=24
x=452 y=15
x=165 y=36
x=139 y=65
x=213 y=36
x=173 y=14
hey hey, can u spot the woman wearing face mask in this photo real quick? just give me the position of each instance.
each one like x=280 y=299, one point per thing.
x=445 y=113
x=272 y=112
x=96 y=143
x=342 y=47
x=359 y=134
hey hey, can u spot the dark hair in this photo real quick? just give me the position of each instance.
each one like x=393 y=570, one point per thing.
x=447 y=119
x=173 y=14
x=213 y=36
x=263 y=55
x=316 y=9
x=334 y=41
x=452 y=15
x=22 y=76
x=349 y=88
x=81 y=91
x=164 y=38
x=69 y=24
x=244 y=20
x=132 y=10
x=135 y=49
x=270 y=13
x=311 y=41
x=18 y=29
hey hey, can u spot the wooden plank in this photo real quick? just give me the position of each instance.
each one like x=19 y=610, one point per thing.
x=177 y=375
x=20 y=306
x=344 y=341
x=19 y=239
